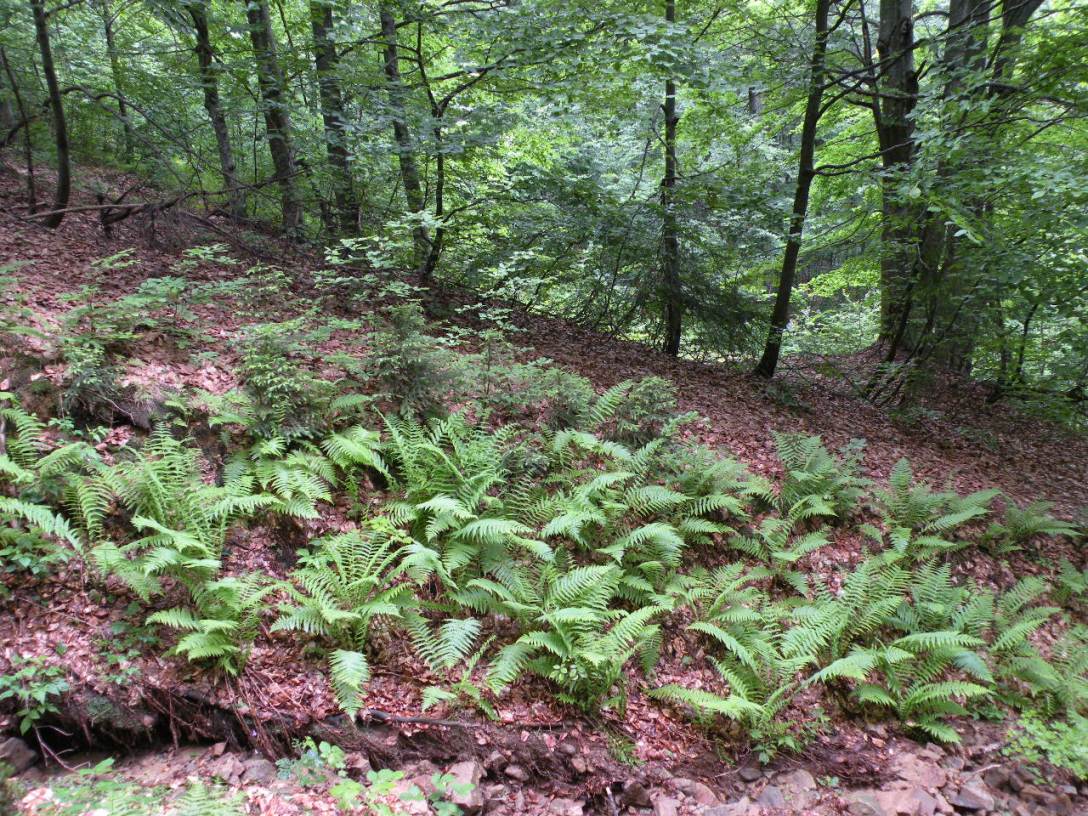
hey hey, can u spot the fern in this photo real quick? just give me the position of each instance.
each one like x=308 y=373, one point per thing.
x=339 y=589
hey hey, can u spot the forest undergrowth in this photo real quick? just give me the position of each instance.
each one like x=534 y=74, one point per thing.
x=309 y=495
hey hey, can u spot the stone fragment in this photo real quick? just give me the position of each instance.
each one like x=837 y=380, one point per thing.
x=258 y=770
x=635 y=795
x=516 y=772
x=465 y=774
x=865 y=803
x=666 y=806
x=974 y=795
x=702 y=794
x=750 y=773
x=566 y=807
x=17 y=754
x=772 y=797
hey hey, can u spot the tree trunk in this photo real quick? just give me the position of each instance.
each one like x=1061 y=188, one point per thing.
x=941 y=276
x=897 y=93
x=409 y=172
x=277 y=118
x=806 y=171
x=209 y=82
x=60 y=127
x=326 y=62
x=28 y=146
x=117 y=75
x=670 y=271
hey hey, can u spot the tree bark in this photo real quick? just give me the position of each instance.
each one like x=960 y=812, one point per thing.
x=209 y=82
x=118 y=81
x=60 y=127
x=326 y=63
x=670 y=261
x=28 y=146
x=897 y=93
x=409 y=172
x=277 y=118
x=780 y=315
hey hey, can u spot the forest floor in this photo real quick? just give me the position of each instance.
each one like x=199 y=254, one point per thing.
x=169 y=725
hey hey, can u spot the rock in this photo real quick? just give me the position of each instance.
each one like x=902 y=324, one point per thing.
x=635 y=795
x=17 y=754
x=425 y=782
x=702 y=794
x=565 y=807
x=997 y=777
x=358 y=763
x=942 y=804
x=772 y=797
x=1057 y=803
x=258 y=770
x=800 y=781
x=666 y=806
x=739 y=808
x=1068 y=790
x=908 y=802
x=974 y=795
x=579 y=765
x=914 y=770
x=228 y=768
x=467 y=773
x=750 y=773
x=954 y=763
x=416 y=803
x=865 y=803
x=516 y=772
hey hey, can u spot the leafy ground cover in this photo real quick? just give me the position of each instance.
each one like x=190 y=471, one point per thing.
x=613 y=580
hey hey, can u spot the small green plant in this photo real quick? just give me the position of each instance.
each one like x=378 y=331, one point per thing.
x=1064 y=744
x=315 y=764
x=339 y=589
x=634 y=412
x=446 y=787
x=1071 y=584
x=33 y=685
x=414 y=368
x=465 y=691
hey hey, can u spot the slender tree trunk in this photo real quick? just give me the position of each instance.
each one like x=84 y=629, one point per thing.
x=941 y=275
x=209 y=82
x=806 y=172
x=60 y=127
x=670 y=261
x=277 y=118
x=118 y=81
x=409 y=172
x=326 y=62
x=28 y=145
x=897 y=93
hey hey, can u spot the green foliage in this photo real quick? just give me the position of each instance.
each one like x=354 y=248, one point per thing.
x=339 y=589
x=411 y=366
x=1021 y=526
x=222 y=622
x=634 y=412
x=1062 y=744
x=814 y=476
x=203 y=800
x=574 y=639
x=286 y=399
x=920 y=521
x=465 y=691
x=32 y=685
x=315 y=763
x=1071 y=584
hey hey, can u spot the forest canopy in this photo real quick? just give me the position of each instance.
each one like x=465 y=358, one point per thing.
x=726 y=180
